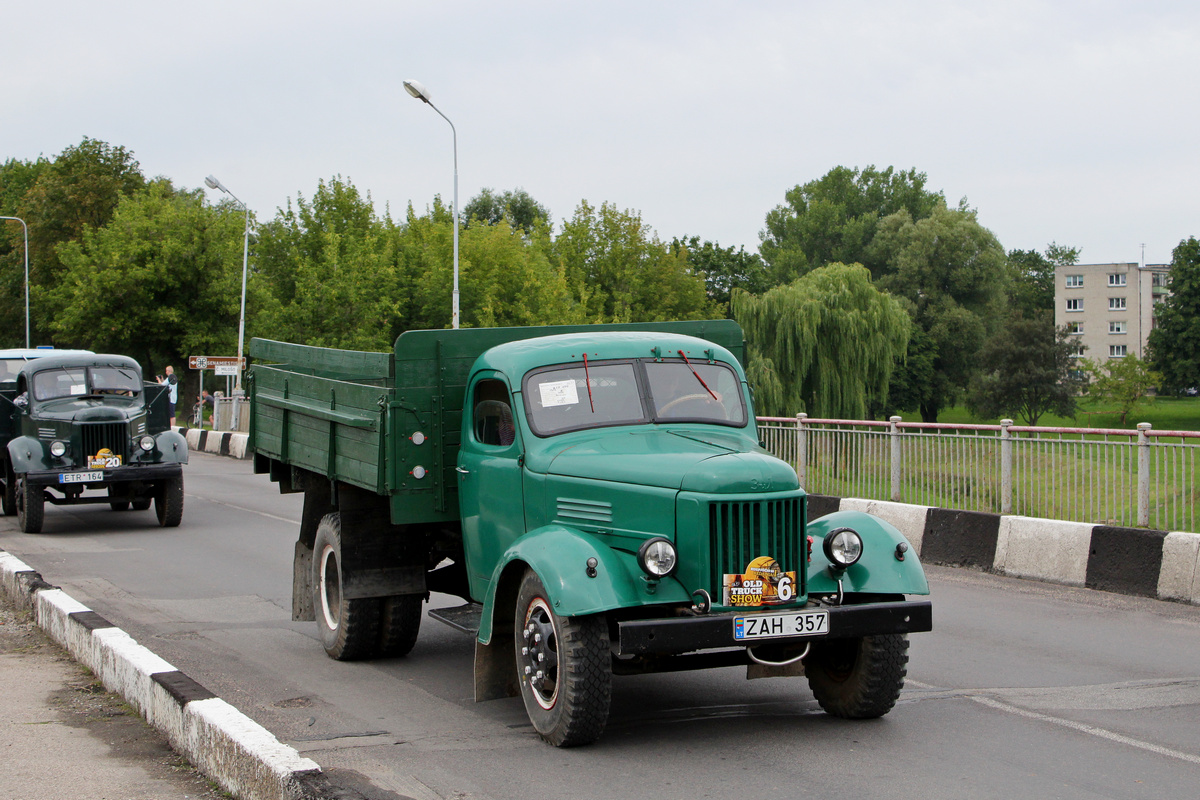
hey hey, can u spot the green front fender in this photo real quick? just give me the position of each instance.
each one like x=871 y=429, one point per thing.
x=559 y=556
x=878 y=571
x=27 y=454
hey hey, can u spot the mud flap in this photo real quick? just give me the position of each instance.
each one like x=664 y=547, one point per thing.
x=495 y=670
x=302 y=584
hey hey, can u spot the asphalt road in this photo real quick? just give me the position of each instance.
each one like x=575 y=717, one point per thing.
x=1023 y=689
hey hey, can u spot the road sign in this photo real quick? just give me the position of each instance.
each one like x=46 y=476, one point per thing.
x=212 y=362
x=226 y=369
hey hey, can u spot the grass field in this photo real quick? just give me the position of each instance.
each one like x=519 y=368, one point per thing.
x=1164 y=414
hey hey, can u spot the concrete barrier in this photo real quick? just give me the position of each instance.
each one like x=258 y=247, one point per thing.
x=221 y=443
x=233 y=750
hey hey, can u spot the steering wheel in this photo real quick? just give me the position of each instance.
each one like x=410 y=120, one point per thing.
x=707 y=398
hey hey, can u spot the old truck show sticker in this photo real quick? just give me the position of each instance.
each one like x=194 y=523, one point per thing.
x=764 y=583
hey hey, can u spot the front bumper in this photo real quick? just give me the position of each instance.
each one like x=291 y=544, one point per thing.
x=126 y=474
x=678 y=635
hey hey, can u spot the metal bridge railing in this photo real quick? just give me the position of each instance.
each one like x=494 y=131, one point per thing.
x=1139 y=477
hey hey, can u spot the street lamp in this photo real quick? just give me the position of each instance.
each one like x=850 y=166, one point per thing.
x=418 y=90
x=26 y=227
x=213 y=183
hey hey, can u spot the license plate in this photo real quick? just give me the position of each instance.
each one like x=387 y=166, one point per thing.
x=80 y=477
x=103 y=462
x=774 y=626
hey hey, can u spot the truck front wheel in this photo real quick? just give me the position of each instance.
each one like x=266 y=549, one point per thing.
x=563 y=666
x=31 y=506
x=858 y=678
x=349 y=628
x=168 y=502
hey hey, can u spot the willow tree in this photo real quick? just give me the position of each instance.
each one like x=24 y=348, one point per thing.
x=824 y=344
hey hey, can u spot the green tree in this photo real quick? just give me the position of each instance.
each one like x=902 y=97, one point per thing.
x=1031 y=276
x=1028 y=369
x=619 y=271
x=78 y=190
x=329 y=270
x=516 y=206
x=160 y=282
x=1125 y=382
x=952 y=272
x=834 y=218
x=1174 y=344
x=825 y=344
x=724 y=269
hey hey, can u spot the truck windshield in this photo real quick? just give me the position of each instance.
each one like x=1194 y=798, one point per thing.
x=572 y=397
x=52 y=384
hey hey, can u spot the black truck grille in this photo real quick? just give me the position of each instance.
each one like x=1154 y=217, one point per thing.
x=741 y=532
x=95 y=437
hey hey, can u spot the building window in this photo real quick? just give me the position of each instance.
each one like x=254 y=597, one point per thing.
x=1116 y=327
x=1160 y=279
x=1078 y=351
x=1115 y=303
x=1075 y=328
x=1074 y=281
x=1116 y=279
x=1075 y=304
x=1117 y=350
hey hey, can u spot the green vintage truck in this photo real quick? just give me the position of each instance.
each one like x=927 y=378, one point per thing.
x=78 y=427
x=598 y=497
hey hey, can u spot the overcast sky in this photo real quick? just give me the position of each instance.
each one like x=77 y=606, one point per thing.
x=1070 y=122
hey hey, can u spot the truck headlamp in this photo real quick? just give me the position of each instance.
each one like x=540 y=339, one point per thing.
x=146 y=443
x=843 y=547
x=58 y=449
x=658 y=557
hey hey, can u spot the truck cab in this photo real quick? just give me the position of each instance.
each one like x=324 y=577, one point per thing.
x=614 y=513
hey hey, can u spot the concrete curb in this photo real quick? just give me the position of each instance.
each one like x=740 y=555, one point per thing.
x=221 y=443
x=240 y=755
x=1148 y=563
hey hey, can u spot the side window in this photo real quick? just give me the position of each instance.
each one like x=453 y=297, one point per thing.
x=491 y=414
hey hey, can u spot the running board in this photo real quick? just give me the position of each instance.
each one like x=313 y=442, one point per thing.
x=464 y=619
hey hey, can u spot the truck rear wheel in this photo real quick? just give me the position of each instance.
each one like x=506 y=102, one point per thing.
x=349 y=628
x=858 y=678
x=116 y=502
x=563 y=666
x=31 y=506
x=10 y=490
x=399 y=624
x=168 y=502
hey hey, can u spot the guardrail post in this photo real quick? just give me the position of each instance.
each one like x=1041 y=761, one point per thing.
x=801 y=452
x=1143 y=490
x=1006 y=467
x=894 y=437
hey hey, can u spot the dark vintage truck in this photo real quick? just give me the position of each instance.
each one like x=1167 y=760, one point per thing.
x=85 y=428
x=599 y=498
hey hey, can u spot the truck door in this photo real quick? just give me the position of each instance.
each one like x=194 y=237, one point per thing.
x=489 y=478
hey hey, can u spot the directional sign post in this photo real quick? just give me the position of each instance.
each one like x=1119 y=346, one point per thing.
x=227 y=366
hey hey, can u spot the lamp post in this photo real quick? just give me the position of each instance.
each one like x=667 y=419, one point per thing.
x=418 y=90
x=213 y=183
x=26 y=228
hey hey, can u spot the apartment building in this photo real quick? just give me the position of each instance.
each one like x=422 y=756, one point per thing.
x=1109 y=307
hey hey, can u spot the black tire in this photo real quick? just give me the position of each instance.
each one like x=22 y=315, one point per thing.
x=31 y=506
x=858 y=678
x=10 y=490
x=121 y=504
x=168 y=502
x=399 y=624
x=141 y=505
x=349 y=628
x=568 y=704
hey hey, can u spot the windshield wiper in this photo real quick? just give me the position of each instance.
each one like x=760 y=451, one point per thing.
x=697 y=374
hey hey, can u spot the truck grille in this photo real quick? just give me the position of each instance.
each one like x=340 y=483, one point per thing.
x=96 y=436
x=740 y=532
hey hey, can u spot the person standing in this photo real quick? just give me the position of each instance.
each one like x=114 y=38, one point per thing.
x=172 y=390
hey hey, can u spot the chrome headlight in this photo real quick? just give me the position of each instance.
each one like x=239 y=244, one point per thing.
x=843 y=547
x=658 y=557
x=146 y=443
x=58 y=449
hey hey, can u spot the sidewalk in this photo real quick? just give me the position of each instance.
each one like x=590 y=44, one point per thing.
x=63 y=736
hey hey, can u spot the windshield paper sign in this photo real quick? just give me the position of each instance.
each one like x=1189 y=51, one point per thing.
x=558 y=393
x=763 y=583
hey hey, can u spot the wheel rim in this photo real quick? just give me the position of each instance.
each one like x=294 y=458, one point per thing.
x=331 y=592
x=540 y=664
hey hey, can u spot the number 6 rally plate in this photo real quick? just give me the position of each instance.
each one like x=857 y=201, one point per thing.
x=773 y=626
